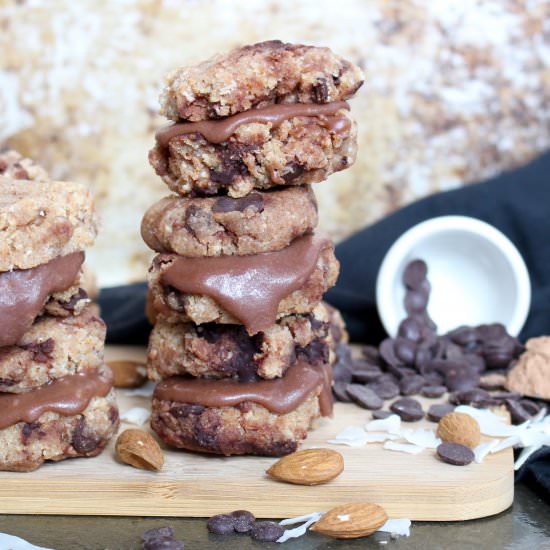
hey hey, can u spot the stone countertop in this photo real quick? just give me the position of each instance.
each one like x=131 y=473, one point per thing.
x=525 y=525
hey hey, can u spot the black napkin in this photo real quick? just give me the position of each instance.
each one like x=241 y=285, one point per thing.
x=517 y=203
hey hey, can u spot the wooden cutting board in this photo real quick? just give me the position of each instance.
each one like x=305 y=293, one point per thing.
x=418 y=487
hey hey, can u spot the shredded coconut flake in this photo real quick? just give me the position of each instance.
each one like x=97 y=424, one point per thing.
x=400 y=527
x=483 y=449
x=403 y=447
x=308 y=520
x=136 y=415
x=392 y=424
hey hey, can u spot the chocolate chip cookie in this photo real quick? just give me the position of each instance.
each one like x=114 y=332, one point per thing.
x=227 y=417
x=258 y=154
x=52 y=348
x=258 y=75
x=53 y=436
x=214 y=226
x=41 y=220
x=177 y=306
x=227 y=351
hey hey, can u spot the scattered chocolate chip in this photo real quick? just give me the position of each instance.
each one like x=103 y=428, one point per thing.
x=385 y=389
x=411 y=329
x=41 y=351
x=461 y=378
x=433 y=391
x=388 y=354
x=433 y=379
x=339 y=389
x=293 y=171
x=221 y=524
x=531 y=407
x=491 y=382
x=474 y=396
x=380 y=415
x=364 y=396
x=437 y=411
x=453 y=453
x=408 y=409
x=319 y=91
x=506 y=395
x=415 y=273
x=416 y=301
x=341 y=373
x=70 y=304
x=364 y=372
x=411 y=385
x=266 y=531
x=161 y=538
x=370 y=353
x=405 y=350
x=243 y=520
x=517 y=411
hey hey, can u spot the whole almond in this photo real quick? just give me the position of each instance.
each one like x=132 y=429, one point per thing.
x=139 y=449
x=309 y=467
x=351 y=521
x=128 y=374
x=459 y=428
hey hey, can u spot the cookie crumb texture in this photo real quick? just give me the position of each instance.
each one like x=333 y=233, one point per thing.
x=256 y=76
x=257 y=156
x=175 y=306
x=25 y=446
x=41 y=220
x=16 y=166
x=244 y=429
x=216 y=226
x=227 y=351
x=52 y=348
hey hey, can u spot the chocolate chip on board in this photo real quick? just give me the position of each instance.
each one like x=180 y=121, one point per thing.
x=380 y=415
x=454 y=453
x=461 y=378
x=339 y=389
x=363 y=371
x=416 y=301
x=388 y=354
x=411 y=385
x=438 y=410
x=530 y=406
x=475 y=397
x=243 y=520
x=404 y=350
x=414 y=274
x=221 y=524
x=384 y=389
x=266 y=531
x=433 y=391
x=411 y=329
x=370 y=353
x=161 y=538
x=517 y=411
x=408 y=409
x=364 y=397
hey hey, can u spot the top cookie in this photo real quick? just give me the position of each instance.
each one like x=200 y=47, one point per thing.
x=256 y=76
x=40 y=220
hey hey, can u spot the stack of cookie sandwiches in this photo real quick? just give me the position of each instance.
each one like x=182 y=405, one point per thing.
x=241 y=343
x=56 y=397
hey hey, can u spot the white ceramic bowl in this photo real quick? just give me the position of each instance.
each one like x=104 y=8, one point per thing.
x=477 y=275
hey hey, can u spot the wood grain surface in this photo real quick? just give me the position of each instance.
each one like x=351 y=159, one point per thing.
x=419 y=487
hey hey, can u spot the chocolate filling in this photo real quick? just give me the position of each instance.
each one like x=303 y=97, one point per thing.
x=218 y=131
x=23 y=293
x=249 y=287
x=280 y=396
x=66 y=396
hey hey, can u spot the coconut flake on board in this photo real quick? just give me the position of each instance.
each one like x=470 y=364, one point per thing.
x=10 y=542
x=392 y=424
x=136 y=415
x=403 y=447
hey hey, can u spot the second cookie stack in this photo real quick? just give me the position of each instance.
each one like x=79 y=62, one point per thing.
x=242 y=341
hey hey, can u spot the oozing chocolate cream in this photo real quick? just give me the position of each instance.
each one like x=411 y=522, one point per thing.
x=248 y=287
x=23 y=293
x=218 y=131
x=67 y=396
x=279 y=396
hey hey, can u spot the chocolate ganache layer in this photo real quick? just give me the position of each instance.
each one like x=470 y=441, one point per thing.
x=249 y=287
x=24 y=292
x=279 y=396
x=67 y=396
x=220 y=130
